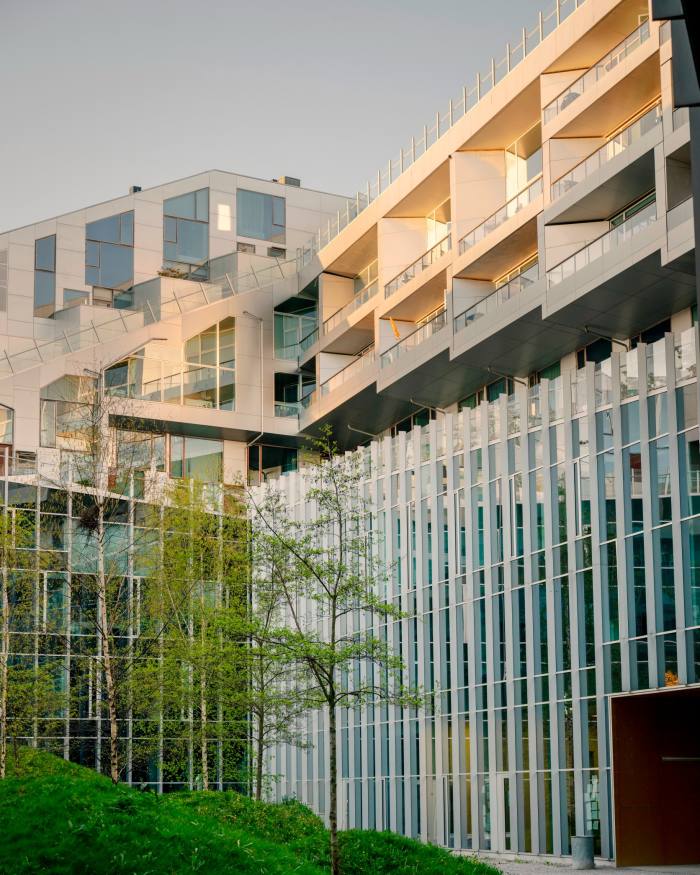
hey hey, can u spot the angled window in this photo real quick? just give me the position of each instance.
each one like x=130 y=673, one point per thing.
x=186 y=232
x=45 y=276
x=109 y=252
x=261 y=216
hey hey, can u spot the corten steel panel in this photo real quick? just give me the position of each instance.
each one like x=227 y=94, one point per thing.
x=656 y=778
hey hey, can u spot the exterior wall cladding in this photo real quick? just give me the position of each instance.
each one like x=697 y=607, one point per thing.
x=507 y=313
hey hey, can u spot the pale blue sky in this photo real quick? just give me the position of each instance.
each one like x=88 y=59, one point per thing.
x=101 y=95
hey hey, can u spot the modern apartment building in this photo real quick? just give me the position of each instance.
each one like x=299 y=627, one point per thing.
x=503 y=324
x=507 y=323
x=160 y=302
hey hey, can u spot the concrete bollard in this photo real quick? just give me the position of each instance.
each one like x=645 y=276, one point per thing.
x=582 y=852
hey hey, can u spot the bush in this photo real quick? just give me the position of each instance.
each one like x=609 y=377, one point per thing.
x=60 y=818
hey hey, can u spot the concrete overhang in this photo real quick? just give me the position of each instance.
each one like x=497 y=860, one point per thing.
x=610 y=188
x=616 y=97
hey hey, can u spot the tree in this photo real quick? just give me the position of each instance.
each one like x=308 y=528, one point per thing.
x=274 y=695
x=199 y=583
x=324 y=564
x=28 y=687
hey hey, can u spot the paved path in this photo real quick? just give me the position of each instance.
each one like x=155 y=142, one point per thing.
x=531 y=865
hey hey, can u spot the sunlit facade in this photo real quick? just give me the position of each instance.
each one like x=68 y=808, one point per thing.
x=503 y=324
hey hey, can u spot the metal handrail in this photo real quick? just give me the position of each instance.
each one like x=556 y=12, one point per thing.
x=419 y=265
x=602 y=244
x=597 y=71
x=358 y=300
x=613 y=147
x=422 y=332
x=509 y=209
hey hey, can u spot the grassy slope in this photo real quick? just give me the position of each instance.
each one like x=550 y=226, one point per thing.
x=60 y=818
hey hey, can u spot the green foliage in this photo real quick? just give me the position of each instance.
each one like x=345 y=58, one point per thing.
x=63 y=823
x=64 y=819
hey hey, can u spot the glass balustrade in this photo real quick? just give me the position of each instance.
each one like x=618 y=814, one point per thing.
x=615 y=146
x=308 y=341
x=640 y=220
x=681 y=213
x=358 y=300
x=186 y=384
x=493 y=302
x=598 y=71
x=287 y=408
x=507 y=211
x=430 y=327
x=419 y=265
x=365 y=358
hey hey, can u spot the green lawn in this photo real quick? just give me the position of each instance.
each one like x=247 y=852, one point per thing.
x=61 y=818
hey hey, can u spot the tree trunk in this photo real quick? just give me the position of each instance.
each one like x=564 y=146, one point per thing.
x=203 y=727
x=333 y=814
x=107 y=653
x=4 y=658
x=259 y=755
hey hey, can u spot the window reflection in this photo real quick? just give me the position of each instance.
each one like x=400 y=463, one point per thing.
x=109 y=254
x=186 y=232
x=261 y=216
x=45 y=276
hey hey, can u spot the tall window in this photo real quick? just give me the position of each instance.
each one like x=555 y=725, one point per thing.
x=45 y=276
x=7 y=419
x=261 y=216
x=186 y=232
x=109 y=254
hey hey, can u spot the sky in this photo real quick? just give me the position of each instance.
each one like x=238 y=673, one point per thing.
x=101 y=95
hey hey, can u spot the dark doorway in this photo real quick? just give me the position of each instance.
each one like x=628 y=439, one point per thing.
x=656 y=777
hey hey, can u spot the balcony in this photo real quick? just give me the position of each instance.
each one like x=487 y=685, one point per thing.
x=493 y=302
x=507 y=211
x=598 y=71
x=602 y=245
x=431 y=326
x=419 y=265
x=358 y=300
x=363 y=360
x=614 y=147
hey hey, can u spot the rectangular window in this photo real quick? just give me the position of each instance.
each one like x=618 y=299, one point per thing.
x=196 y=458
x=109 y=252
x=186 y=233
x=45 y=276
x=261 y=216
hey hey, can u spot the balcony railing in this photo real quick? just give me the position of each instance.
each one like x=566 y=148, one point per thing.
x=618 y=144
x=358 y=300
x=419 y=265
x=287 y=408
x=502 y=214
x=308 y=341
x=442 y=122
x=365 y=358
x=430 y=327
x=145 y=307
x=496 y=299
x=602 y=245
x=598 y=71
